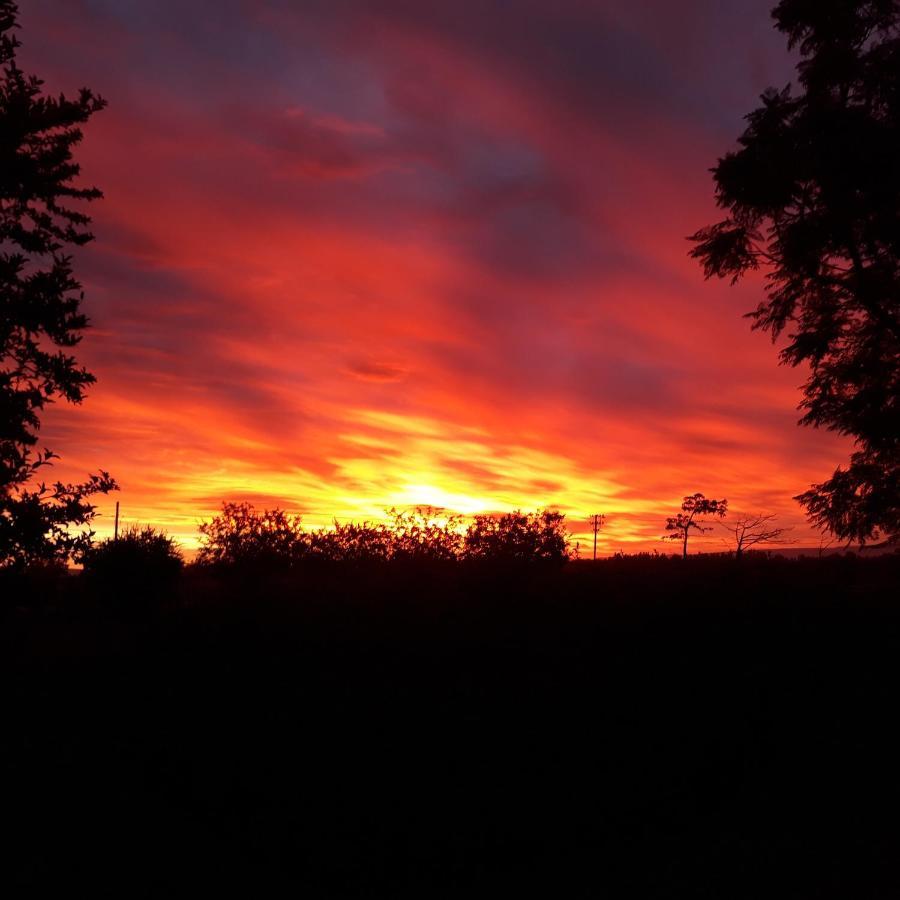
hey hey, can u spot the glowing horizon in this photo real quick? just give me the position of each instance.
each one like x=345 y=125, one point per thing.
x=425 y=255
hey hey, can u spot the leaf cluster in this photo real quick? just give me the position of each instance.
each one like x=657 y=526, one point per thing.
x=239 y=535
x=49 y=523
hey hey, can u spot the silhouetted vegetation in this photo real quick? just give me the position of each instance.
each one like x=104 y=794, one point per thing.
x=519 y=537
x=754 y=530
x=813 y=195
x=141 y=566
x=693 y=511
x=41 y=318
x=637 y=727
x=424 y=534
x=275 y=540
x=50 y=523
x=351 y=543
x=240 y=536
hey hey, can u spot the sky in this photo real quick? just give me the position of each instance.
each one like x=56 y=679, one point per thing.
x=355 y=255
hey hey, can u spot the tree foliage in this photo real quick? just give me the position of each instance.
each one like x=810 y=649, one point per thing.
x=241 y=536
x=693 y=511
x=424 y=533
x=518 y=537
x=50 y=523
x=812 y=195
x=141 y=561
x=41 y=318
x=273 y=539
x=351 y=542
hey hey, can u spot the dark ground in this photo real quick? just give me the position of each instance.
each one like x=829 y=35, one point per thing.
x=637 y=728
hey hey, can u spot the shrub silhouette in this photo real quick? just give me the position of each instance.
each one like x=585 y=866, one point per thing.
x=240 y=536
x=518 y=537
x=141 y=565
x=425 y=534
x=350 y=543
x=274 y=540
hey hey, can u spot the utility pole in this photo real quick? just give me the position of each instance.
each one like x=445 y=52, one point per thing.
x=116 y=527
x=597 y=521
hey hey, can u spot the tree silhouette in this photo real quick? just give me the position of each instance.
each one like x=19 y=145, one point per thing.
x=351 y=542
x=425 y=533
x=40 y=300
x=518 y=537
x=419 y=534
x=240 y=536
x=750 y=530
x=693 y=509
x=50 y=523
x=813 y=195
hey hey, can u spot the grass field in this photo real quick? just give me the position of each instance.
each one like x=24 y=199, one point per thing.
x=634 y=728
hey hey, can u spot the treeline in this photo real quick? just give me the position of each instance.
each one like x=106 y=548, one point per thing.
x=240 y=535
x=245 y=539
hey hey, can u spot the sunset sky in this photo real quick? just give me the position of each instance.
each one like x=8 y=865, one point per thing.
x=362 y=254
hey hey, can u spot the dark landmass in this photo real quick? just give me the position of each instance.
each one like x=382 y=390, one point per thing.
x=634 y=728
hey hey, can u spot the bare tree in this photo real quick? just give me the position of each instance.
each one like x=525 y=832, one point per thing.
x=751 y=529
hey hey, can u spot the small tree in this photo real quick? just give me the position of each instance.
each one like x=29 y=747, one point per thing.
x=750 y=530
x=693 y=509
x=241 y=536
x=538 y=537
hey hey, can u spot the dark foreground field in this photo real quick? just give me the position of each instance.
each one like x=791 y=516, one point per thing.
x=630 y=729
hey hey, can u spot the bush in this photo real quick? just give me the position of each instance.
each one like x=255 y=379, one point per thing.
x=240 y=536
x=140 y=565
x=351 y=543
x=274 y=540
x=425 y=534
x=518 y=537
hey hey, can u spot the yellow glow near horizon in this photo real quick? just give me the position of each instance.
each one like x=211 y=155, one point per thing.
x=376 y=460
